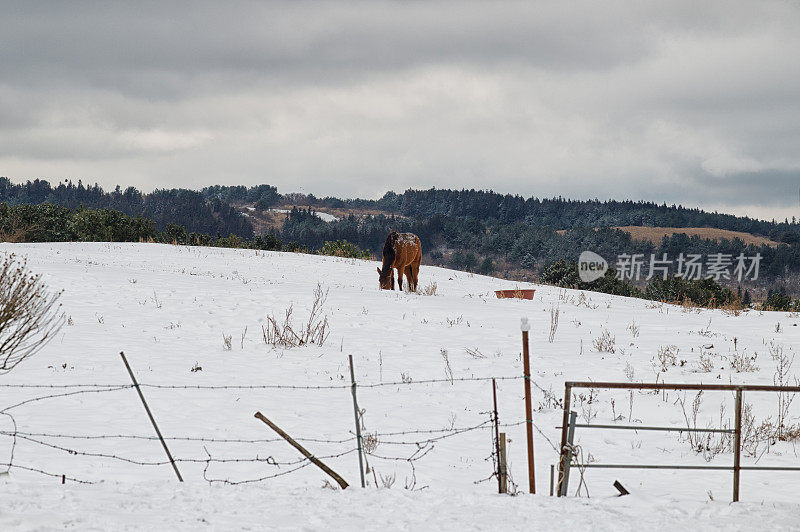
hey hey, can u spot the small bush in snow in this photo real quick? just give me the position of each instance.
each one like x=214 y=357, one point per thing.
x=554 y=311
x=429 y=290
x=706 y=363
x=605 y=343
x=742 y=363
x=667 y=356
x=313 y=331
x=343 y=248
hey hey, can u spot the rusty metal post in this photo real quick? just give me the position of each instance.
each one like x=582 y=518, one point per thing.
x=499 y=471
x=525 y=327
x=358 y=424
x=737 y=445
x=564 y=429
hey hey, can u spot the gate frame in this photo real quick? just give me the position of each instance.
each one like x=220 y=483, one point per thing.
x=739 y=389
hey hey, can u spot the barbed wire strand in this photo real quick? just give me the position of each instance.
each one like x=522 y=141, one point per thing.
x=36 y=470
x=263 y=386
x=66 y=394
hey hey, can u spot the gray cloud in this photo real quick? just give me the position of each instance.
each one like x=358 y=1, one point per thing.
x=671 y=101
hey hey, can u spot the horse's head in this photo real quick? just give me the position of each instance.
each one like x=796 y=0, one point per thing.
x=386 y=281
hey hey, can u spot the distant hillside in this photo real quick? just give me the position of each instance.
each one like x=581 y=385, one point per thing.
x=472 y=230
x=196 y=211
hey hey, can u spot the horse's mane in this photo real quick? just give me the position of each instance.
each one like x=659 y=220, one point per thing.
x=388 y=253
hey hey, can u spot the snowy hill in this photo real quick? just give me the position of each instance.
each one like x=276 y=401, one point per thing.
x=173 y=309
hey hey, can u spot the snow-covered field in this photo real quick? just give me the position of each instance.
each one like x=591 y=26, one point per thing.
x=169 y=309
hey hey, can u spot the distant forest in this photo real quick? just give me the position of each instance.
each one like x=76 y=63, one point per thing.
x=471 y=230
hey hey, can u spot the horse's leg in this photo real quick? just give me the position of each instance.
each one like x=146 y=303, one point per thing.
x=415 y=270
x=410 y=278
x=400 y=279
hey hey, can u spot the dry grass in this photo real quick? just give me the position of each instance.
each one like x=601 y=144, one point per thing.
x=655 y=234
x=14 y=236
x=667 y=356
x=743 y=363
x=605 y=343
x=313 y=331
x=429 y=290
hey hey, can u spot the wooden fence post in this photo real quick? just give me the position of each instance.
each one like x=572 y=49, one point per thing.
x=314 y=460
x=525 y=327
x=503 y=464
x=498 y=472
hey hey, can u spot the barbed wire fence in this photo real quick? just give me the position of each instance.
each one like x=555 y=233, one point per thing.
x=420 y=441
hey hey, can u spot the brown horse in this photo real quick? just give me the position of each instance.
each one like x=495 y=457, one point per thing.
x=403 y=252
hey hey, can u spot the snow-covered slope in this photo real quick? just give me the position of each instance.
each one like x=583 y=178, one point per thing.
x=170 y=308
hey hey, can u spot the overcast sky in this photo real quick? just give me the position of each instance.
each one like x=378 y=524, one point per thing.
x=684 y=102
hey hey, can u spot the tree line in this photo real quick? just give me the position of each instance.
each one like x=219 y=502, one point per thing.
x=472 y=230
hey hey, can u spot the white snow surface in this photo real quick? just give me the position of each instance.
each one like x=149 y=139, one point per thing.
x=169 y=307
x=323 y=215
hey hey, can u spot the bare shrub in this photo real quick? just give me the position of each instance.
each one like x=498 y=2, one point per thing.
x=667 y=356
x=387 y=481
x=743 y=363
x=429 y=290
x=706 y=363
x=707 y=444
x=448 y=371
x=553 y=322
x=605 y=343
x=313 y=331
x=633 y=328
x=474 y=353
x=753 y=434
x=551 y=400
x=454 y=321
x=29 y=316
x=226 y=341
x=369 y=442
x=783 y=366
x=629 y=373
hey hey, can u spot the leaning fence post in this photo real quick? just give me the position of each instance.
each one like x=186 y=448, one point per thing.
x=150 y=415
x=313 y=459
x=737 y=445
x=568 y=453
x=358 y=425
x=564 y=430
x=525 y=327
